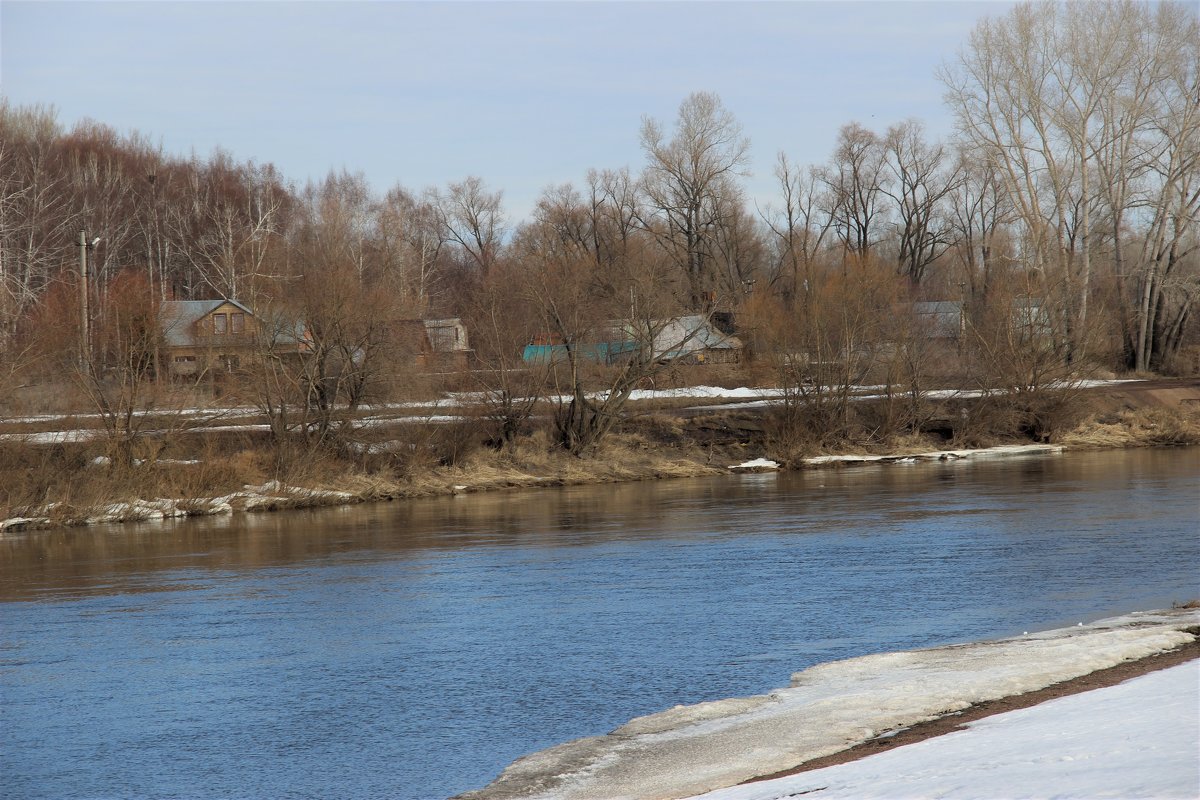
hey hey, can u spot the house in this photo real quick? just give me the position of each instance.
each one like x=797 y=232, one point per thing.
x=222 y=336
x=948 y=319
x=694 y=339
x=691 y=339
x=610 y=344
x=202 y=336
x=436 y=345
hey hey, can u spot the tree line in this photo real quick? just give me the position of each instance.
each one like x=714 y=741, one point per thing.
x=1071 y=184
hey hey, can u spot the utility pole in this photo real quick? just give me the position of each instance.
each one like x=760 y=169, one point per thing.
x=85 y=300
x=150 y=265
x=84 y=315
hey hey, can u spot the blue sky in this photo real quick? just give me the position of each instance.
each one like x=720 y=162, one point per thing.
x=524 y=95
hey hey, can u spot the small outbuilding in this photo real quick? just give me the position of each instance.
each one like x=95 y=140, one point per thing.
x=437 y=345
x=691 y=339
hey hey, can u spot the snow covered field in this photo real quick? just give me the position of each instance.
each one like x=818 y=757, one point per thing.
x=689 y=750
x=1138 y=739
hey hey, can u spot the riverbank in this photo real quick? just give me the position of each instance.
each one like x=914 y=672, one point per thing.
x=950 y=723
x=1136 y=738
x=670 y=443
x=832 y=708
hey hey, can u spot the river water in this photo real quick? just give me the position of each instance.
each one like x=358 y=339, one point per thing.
x=411 y=650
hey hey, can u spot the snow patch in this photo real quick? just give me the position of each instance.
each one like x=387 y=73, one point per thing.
x=756 y=465
x=1004 y=450
x=21 y=523
x=1136 y=739
x=828 y=708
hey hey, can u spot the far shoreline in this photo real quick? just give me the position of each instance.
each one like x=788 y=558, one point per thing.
x=1134 y=420
x=277 y=496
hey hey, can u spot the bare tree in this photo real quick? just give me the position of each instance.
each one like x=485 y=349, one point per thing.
x=979 y=209
x=615 y=208
x=327 y=332
x=1016 y=345
x=856 y=180
x=823 y=352
x=35 y=223
x=800 y=226
x=473 y=218
x=411 y=238
x=922 y=177
x=500 y=318
x=1165 y=269
x=607 y=325
x=1057 y=96
x=689 y=185
x=230 y=223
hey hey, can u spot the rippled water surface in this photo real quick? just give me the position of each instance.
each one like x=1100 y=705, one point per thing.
x=411 y=650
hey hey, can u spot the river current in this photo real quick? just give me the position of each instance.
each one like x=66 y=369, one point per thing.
x=412 y=650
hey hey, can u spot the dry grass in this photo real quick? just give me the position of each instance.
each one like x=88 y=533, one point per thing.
x=536 y=461
x=1143 y=427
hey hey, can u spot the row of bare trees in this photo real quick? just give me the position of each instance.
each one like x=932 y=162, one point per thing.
x=206 y=227
x=1072 y=187
x=1088 y=118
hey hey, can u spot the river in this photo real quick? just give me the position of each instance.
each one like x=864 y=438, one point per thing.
x=412 y=650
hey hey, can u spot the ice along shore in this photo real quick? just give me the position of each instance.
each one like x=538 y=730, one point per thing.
x=689 y=750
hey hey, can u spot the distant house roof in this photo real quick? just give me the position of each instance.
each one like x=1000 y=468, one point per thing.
x=179 y=317
x=690 y=334
x=674 y=338
x=709 y=334
x=447 y=335
x=948 y=317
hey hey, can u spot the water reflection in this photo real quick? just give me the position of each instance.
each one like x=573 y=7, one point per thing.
x=116 y=558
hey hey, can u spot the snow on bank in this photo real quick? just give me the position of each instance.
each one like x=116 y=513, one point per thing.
x=689 y=750
x=941 y=455
x=1140 y=738
x=755 y=465
x=768 y=397
x=383 y=413
x=269 y=496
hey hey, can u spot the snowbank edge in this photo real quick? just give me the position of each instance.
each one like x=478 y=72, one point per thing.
x=828 y=709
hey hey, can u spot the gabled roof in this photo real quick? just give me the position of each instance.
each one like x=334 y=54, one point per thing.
x=701 y=330
x=178 y=316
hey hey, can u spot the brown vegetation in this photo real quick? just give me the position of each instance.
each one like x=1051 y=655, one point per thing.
x=74 y=482
x=1053 y=239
